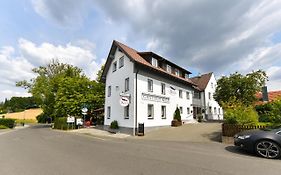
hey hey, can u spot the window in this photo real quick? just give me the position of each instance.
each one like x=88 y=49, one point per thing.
x=154 y=62
x=210 y=95
x=150 y=111
x=169 y=68
x=180 y=93
x=126 y=84
x=187 y=95
x=108 y=112
x=219 y=110
x=187 y=110
x=114 y=66
x=215 y=110
x=109 y=91
x=126 y=112
x=186 y=76
x=163 y=112
x=121 y=62
x=210 y=110
x=163 y=89
x=150 y=85
x=212 y=85
x=180 y=110
x=177 y=72
x=197 y=95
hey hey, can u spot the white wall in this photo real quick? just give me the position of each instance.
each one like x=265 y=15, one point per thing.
x=174 y=101
x=117 y=82
x=211 y=87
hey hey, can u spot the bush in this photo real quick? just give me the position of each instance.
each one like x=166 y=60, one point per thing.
x=10 y=123
x=237 y=113
x=60 y=123
x=114 y=125
x=42 y=118
x=177 y=115
x=270 y=112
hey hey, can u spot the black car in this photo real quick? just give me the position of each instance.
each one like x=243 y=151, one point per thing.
x=264 y=142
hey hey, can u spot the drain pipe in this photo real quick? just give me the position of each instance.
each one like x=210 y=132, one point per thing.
x=136 y=103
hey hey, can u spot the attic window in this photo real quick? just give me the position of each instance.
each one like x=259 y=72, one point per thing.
x=186 y=76
x=177 y=72
x=120 y=50
x=154 y=62
x=169 y=68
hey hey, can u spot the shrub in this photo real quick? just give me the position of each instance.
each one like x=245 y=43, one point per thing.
x=177 y=115
x=199 y=117
x=237 y=113
x=60 y=123
x=3 y=127
x=10 y=123
x=42 y=118
x=270 y=112
x=114 y=125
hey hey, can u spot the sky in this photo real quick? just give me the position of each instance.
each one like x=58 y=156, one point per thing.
x=200 y=35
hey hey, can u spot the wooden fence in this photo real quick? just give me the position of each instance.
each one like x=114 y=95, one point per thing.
x=230 y=130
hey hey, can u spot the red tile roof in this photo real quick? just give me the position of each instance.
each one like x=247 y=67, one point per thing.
x=272 y=95
x=133 y=54
x=202 y=80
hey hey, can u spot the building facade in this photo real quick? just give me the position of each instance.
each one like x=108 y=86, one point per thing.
x=143 y=87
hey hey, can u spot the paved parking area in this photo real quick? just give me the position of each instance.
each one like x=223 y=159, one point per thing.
x=192 y=132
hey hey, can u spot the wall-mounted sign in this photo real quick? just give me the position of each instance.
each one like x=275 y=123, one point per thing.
x=156 y=98
x=172 y=90
x=79 y=121
x=124 y=101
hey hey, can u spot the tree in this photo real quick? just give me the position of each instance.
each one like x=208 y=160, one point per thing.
x=239 y=87
x=62 y=88
x=99 y=74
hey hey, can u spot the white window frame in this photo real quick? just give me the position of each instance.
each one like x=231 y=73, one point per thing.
x=121 y=62
x=163 y=88
x=127 y=81
x=169 y=68
x=154 y=62
x=180 y=93
x=149 y=85
x=150 y=116
x=177 y=72
x=163 y=112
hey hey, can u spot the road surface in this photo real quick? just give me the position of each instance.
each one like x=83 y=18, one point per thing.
x=38 y=150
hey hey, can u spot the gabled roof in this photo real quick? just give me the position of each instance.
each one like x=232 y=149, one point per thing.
x=137 y=58
x=272 y=95
x=202 y=80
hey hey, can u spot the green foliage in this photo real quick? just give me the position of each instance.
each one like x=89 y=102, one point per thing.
x=61 y=123
x=239 y=87
x=236 y=112
x=17 y=104
x=200 y=117
x=270 y=112
x=99 y=74
x=114 y=125
x=42 y=118
x=10 y=123
x=62 y=89
x=3 y=127
x=177 y=115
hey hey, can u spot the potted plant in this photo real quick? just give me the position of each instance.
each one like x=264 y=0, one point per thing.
x=177 y=118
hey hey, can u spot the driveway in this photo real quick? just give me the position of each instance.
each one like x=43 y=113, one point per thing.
x=192 y=132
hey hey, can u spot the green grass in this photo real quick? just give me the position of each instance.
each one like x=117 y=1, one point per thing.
x=18 y=121
x=3 y=127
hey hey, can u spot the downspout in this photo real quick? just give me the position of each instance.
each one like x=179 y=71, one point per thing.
x=136 y=103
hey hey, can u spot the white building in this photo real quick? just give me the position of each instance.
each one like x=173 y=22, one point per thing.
x=154 y=87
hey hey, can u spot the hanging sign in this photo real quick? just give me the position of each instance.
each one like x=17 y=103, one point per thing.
x=124 y=101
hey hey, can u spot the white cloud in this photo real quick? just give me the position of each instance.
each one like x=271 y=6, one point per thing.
x=15 y=68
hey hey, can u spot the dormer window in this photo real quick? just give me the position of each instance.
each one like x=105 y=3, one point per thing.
x=177 y=72
x=186 y=76
x=154 y=62
x=169 y=68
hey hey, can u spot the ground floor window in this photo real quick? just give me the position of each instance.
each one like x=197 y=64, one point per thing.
x=126 y=112
x=163 y=112
x=108 y=112
x=150 y=111
x=181 y=110
x=188 y=110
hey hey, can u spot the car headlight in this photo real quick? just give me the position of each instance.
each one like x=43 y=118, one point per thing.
x=244 y=137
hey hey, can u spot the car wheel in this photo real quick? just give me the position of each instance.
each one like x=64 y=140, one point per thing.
x=268 y=149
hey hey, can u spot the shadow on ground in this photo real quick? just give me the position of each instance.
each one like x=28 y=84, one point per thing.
x=214 y=136
x=237 y=150
x=39 y=126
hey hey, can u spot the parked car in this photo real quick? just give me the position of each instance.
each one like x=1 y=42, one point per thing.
x=264 y=142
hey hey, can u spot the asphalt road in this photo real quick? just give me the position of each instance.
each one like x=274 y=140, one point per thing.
x=38 y=150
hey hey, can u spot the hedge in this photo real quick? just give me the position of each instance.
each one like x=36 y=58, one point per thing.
x=10 y=123
x=60 y=123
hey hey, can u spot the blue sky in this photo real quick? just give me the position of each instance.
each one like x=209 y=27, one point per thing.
x=200 y=35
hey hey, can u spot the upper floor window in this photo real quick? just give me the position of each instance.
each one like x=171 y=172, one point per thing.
x=188 y=110
x=215 y=110
x=150 y=85
x=169 y=68
x=187 y=95
x=114 y=66
x=109 y=91
x=180 y=93
x=186 y=76
x=177 y=72
x=210 y=95
x=126 y=84
x=163 y=89
x=154 y=62
x=121 y=62
x=108 y=112
x=197 y=95
x=180 y=110
x=212 y=85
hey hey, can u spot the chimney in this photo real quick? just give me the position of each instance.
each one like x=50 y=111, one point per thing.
x=264 y=94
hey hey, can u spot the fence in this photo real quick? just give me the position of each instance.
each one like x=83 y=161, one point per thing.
x=230 y=130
